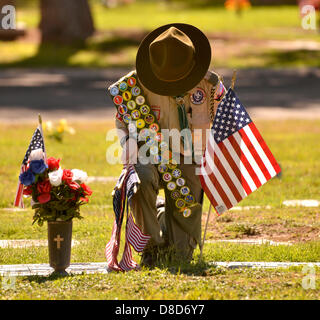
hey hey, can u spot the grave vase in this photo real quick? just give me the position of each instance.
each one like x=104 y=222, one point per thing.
x=59 y=244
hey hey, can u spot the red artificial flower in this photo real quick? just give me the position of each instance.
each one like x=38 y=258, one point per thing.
x=86 y=190
x=53 y=164
x=67 y=176
x=27 y=191
x=44 y=197
x=73 y=185
x=84 y=199
x=44 y=186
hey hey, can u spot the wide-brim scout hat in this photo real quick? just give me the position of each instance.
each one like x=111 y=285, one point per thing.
x=173 y=59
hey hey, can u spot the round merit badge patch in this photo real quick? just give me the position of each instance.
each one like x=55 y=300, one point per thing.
x=171 y=185
x=144 y=133
x=135 y=114
x=117 y=100
x=198 y=96
x=114 y=91
x=122 y=109
x=162 y=168
x=123 y=86
x=185 y=190
x=144 y=109
x=167 y=177
x=172 y=164
x=180 y=203
x=154 y=127
x=126 y=118
x=131 y=104
x=176 y=173
x=126 y=95
x=181 y=182
x=189 y=198
x=140 y=123
x=140 y=100
x=175 y=195
x=149 y=118
x=135 y=91
x=132 y=81
x=186 y=212
x=159 y=137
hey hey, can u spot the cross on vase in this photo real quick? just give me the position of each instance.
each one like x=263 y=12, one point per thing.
x=58 y=239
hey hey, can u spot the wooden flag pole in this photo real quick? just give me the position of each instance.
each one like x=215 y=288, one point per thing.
x=40 y=126
x=40 y=119
x=234 y=77
x=205 y=232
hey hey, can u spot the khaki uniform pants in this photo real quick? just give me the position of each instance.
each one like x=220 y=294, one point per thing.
x=172 y=229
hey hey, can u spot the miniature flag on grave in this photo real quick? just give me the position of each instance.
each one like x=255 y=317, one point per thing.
x=37 y=142
x=237 y=161
x=125 y=188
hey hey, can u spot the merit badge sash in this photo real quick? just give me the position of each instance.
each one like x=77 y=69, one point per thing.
x=134 y=110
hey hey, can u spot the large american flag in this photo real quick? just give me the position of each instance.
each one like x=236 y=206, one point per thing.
x=37 y=142
x=124 y=190
x=237 y=160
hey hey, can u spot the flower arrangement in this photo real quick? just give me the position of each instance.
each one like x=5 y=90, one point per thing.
x=57 y=132
x=56 y=193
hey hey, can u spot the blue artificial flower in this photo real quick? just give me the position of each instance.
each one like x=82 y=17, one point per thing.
x=27 y=178
x=38 y=166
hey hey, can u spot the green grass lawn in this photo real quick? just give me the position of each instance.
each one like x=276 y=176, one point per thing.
x=115 y=46
x=274 y=21
x=201 y=282
x=296 y=150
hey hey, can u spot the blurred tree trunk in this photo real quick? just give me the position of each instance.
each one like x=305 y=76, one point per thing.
x=65 y=21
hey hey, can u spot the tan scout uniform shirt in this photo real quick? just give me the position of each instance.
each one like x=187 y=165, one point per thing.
x=166 y=110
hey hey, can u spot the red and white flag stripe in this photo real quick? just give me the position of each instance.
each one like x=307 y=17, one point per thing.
x=18 y=200
x=112 y=250
x=135 y=236
x=127 y=263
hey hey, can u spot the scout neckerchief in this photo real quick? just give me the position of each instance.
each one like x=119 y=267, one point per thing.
x=135 y=112
x=184 y=124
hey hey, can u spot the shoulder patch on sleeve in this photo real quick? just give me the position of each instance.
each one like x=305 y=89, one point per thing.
x=212 y=77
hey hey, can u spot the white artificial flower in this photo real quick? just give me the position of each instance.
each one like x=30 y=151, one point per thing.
x=55 y=177
x=79 y=175
x=36 y=155
x=48 y=126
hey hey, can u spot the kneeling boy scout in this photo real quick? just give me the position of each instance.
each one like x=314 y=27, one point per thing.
x=171 y=88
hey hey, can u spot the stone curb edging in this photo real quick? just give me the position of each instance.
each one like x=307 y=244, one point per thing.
x=100 y=267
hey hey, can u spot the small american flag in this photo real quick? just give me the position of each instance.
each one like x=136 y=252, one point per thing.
x=124 y=190
x=237 y=160
x=37 y=142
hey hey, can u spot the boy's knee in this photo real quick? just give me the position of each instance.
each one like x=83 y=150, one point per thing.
x=147 y=176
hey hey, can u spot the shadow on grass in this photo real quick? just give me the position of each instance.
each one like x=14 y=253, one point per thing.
x=114 y=44
x=199 y=268
x=54 y=55
x=166 y=259
x=48 y=55
x=299 y=57
x=52 y=277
